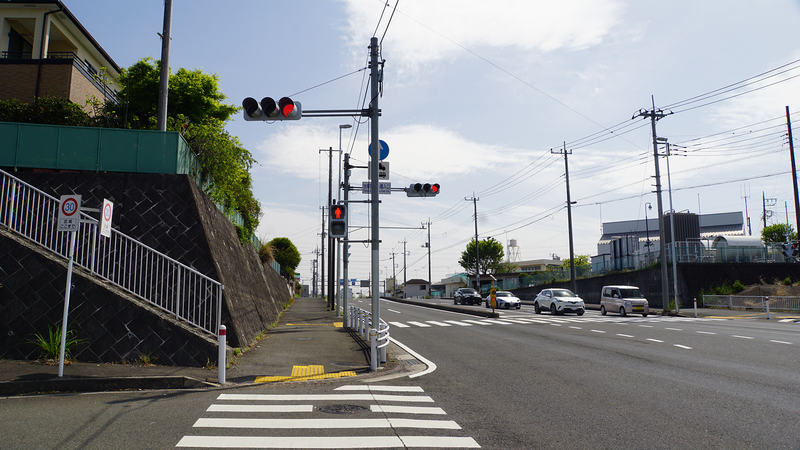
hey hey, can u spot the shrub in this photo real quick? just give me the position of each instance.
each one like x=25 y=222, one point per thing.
x=50 y=344
x=787 y=281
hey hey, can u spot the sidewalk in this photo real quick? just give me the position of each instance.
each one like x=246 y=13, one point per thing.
x=308 y=342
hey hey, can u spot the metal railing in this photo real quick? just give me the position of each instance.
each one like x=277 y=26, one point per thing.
x=361 y=321
x=148 y=274
x=751 y=302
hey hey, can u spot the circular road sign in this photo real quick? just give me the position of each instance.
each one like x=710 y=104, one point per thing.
x=69 y=206
x=384 y=150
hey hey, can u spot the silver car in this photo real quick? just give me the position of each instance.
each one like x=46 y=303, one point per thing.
x=558 y=301
x=623 y=299
x=505 y=300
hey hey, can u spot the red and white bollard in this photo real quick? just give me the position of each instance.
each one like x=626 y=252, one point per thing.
x=221 y=355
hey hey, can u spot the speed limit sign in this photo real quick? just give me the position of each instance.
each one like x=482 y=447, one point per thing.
x=69 y=217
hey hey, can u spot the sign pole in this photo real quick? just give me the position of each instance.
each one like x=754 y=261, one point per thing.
x=66 y=303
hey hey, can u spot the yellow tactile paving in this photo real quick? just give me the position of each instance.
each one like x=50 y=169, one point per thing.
x=302 y=373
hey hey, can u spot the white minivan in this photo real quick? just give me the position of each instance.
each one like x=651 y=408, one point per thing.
x=623 y=299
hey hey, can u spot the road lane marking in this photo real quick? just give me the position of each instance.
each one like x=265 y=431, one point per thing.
x=781 y=342
x=743 y=337
x=320 y=442
x=655 y=340
x=479 y=322
x=399 y=324
x=646 y=326
x=391 y=310
x=419 y=324
x=407 y=409
x=326 y=397
x=497 y=321
x=704 y=332
x=430 y=364
x=598 y=331
x=673 y=329
x=316 y=424
x=624 y=335
x=379 y=388
x=459 y=323
x=683 y=346
x=556 y=324
x=576 y=328
x=439 y=324
x=261 y=408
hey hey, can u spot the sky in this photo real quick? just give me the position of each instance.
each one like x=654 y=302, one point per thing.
x=481 y=97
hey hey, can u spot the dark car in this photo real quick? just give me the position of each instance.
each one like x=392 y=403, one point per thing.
x=467 y=296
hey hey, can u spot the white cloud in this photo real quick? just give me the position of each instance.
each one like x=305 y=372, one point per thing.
x=415 y=34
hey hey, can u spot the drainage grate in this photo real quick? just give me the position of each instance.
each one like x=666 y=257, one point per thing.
x=342 y=409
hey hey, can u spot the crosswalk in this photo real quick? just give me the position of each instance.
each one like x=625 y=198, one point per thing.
x=384 y=417
x=528 y=319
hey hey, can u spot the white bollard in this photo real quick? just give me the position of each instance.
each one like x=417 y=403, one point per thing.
x=221 y=357
x=767 y=299
x=373 y=354
x=695 y=308
x=383 y=349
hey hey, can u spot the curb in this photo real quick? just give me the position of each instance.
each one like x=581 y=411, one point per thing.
x=66 y=384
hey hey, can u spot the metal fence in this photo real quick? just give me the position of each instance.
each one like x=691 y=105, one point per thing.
x=150 y=275
x=751 y=302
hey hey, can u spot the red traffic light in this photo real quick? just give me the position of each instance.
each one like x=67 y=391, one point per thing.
x=268 y=109
x=337 y=212
x=423 y=190
x=338 y=221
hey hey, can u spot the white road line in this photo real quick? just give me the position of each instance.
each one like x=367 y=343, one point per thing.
x=407 y=409
x=456 y=322
x=497 y=321
x=399 y=324
x=576 y=328
x=655 y=340
x=261 y=408
x=742 y=337
x=379 y=388
x=419 y=324
x=682 y=346
x=430 y=364
x=318 y=424
x=439 y=324
x=479 y=322
x=325 y=442
x=704 y=332
x=673 y=329
x=781 y=342
x=598 y=331
x=624 y=335
x=326 y=397
x=556 y=324
x=391 y=310
x=646 y=326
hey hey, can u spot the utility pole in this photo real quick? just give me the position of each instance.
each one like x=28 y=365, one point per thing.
x=794 y=171
x=163 y=82
x=474 y=201
x=322 y=258
x=394 y=275
x=574 y=284
x=331 y=251
x=655 y=115
x=430 y=280
x=373 y=169
x=345 y=241
x=404 y=267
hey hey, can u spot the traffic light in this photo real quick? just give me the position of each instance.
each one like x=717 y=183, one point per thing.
x=267 y=109
x=338 y=221
x=791 y=249
x=423 y=190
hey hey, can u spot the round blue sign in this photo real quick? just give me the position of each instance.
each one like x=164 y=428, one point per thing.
x=384 y=149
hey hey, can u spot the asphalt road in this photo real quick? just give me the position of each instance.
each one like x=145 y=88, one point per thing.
x=524 y=381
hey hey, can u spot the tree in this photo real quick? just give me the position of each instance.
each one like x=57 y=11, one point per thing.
x=580 y=260
x=780 y=232
x=285 y=254
x=491 y=256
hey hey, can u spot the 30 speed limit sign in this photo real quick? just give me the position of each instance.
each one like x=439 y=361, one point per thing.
x=69 y=217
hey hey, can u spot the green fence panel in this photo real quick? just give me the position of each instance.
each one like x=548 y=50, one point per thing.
x=78 y=148
x=38 y=146
x=9 y=133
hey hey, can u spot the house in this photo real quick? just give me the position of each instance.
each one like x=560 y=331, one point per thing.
x=45 y=51
x=416 y=288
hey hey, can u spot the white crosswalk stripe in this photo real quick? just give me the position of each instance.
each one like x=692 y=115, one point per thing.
x=545 y=319
x=298 y=420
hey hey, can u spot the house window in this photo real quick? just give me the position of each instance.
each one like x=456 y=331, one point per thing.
x=422 y=287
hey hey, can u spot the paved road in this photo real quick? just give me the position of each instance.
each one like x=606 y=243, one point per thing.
x=518 y=382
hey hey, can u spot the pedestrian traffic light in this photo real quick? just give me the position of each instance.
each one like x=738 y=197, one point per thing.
x=423 y=190
x=338 y=221
x=267 y=109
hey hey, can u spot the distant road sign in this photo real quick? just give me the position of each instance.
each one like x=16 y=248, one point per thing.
x=383 y=188
x=384 y=150
x=68 y=213
x=383 y=171
x=105 y=222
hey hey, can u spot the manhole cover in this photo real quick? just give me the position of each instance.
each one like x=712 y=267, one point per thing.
x=342 y=409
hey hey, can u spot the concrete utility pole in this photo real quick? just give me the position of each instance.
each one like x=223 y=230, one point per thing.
x=573 y=283
x=163 y=83
x=654 y=116
x=430 y=280
x=331 y=251
x=345 y=241
x=794 y=171
x=405 y=282
x=374 y=191
x=474 y=201
x=322 y=257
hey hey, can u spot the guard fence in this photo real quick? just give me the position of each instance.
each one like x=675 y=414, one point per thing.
x=761 y=303
x=121 y=260
x=361 y=321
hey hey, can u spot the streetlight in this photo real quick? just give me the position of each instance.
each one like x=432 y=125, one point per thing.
x=672 y=228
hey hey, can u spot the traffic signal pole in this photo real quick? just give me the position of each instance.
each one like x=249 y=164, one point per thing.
x=374 y=187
